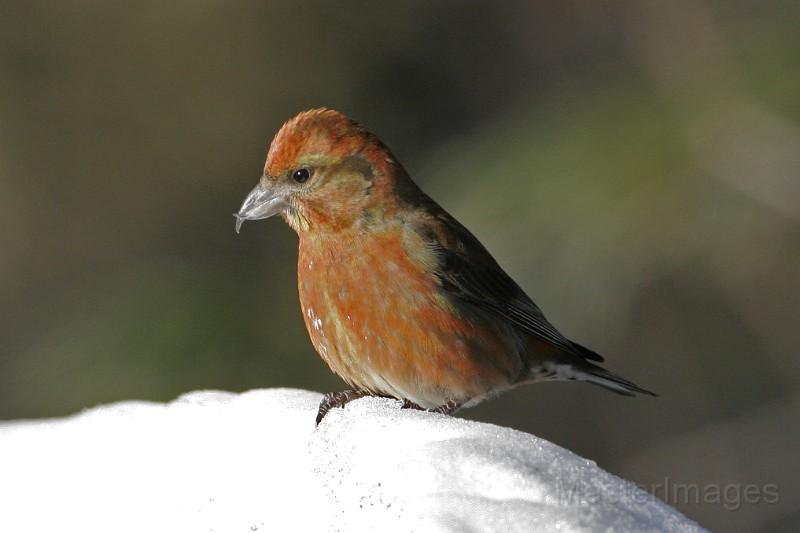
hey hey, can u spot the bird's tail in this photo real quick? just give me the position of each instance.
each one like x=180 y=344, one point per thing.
x=590 y=373
x=597 y=375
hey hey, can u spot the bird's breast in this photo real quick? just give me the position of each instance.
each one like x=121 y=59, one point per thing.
x=379 y=318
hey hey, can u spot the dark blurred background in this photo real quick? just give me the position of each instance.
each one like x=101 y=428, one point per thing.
x=634 y=165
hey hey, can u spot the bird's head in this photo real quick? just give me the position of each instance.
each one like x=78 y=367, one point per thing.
x=324 y=172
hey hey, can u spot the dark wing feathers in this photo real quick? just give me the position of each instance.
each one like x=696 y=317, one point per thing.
x=470 y=273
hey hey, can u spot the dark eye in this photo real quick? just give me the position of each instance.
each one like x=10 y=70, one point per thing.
x=301 y=175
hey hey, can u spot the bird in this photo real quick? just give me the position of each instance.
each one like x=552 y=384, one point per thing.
x=398 y=297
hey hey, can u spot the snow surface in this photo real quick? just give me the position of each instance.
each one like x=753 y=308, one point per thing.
x=223 y=462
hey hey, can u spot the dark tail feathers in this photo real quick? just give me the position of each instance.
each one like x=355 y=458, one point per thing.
x=571 y=368
x=586 y=353
x=596 y=375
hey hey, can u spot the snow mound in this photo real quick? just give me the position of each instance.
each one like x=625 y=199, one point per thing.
x=216 y=461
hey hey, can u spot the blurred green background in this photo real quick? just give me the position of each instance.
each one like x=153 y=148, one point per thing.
x=634 y=165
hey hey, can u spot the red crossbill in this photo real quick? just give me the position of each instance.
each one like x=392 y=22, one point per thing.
x=400 y=299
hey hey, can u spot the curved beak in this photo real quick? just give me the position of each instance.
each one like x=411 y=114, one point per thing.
x=261 y=203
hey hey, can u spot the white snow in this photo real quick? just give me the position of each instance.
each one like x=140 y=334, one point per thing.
x=223 y=462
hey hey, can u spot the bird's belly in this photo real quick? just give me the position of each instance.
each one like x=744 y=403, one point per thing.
x=384 y=324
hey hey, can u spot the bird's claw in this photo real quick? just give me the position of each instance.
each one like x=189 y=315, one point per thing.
x=341 y=398
x=408 y=404
x=337 y=399
x=447 y=409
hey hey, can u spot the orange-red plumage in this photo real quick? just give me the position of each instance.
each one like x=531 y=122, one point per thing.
x=375 y=317
x=399 y=299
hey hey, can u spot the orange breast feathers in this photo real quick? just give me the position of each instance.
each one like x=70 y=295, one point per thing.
x=379 y=318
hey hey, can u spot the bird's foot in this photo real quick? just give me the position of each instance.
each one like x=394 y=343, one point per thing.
x=446 y=409
x=337 y=399
x=408 y=404
x=340 y=399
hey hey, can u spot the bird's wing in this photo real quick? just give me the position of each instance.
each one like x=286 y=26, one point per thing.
x=468 y=272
